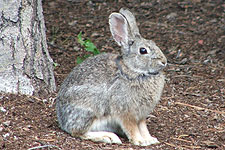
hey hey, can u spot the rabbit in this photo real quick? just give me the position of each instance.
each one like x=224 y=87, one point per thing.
x=111 y=95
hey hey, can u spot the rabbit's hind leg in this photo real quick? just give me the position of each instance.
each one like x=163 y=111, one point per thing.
x=75 y=120
x=102 y=136
x=82 y=122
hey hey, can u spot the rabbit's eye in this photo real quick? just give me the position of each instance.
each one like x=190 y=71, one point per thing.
x=143 y=50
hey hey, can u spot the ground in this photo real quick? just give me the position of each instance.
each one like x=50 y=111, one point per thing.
x=191 y=113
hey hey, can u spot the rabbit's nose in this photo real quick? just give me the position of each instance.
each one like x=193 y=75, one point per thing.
x=163 y=62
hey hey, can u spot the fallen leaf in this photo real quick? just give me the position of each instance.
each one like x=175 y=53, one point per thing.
x=200 y=42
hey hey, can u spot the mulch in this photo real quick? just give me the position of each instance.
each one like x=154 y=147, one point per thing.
x=191 y=114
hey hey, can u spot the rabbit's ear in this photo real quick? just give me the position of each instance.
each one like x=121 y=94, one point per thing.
x=119 y=28
x=131 y=21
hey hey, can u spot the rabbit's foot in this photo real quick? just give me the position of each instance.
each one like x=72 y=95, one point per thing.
x=139 y=140
x=102 y=136
x=152 y=140
x=144 y=142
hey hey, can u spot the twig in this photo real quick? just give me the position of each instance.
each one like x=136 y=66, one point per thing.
x=60 y=48
x=55 y=46
x=200 y=108
x=183 y=146
x=192 y=147
x=177 y=76
x=47 y=140
x=172 y=145
x=44 y=146
x=214 y=130
x=182 y=140
x=38 y=99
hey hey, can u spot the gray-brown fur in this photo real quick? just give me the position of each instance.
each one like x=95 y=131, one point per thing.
x=114 y=93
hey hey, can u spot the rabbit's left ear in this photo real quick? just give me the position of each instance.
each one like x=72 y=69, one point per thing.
x=134 y=31
x=119 y=28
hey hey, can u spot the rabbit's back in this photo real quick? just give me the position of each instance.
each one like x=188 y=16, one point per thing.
x=92 y=76
x=93 y=71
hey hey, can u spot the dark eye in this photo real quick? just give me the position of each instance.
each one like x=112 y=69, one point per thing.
x=143 y=50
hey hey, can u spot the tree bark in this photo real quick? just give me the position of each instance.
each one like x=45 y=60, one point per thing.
x=25 y=64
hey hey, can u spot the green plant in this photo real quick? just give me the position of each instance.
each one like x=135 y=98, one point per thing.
x=88 y=46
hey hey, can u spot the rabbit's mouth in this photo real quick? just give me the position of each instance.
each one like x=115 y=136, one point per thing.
x=156 y=69
x=153 y=73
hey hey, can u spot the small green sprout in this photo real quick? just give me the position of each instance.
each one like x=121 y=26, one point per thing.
x=55 y=64
x=88 y=46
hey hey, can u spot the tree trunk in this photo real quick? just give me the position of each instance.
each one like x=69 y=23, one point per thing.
x=25 y=64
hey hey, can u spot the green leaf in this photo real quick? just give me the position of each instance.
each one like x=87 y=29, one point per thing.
x=55 y=64
x=96 y=51
x=88 y=46
x=86 y=56
x=79 y=60
x=79 y=39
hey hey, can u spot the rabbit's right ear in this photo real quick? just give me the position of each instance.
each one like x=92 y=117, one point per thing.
x=119 y=28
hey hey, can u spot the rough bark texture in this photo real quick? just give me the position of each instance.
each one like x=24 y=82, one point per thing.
x=25 y=64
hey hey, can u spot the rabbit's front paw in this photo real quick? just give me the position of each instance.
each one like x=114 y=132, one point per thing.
x=143 y=142
x=140 y=142
x=152 y=140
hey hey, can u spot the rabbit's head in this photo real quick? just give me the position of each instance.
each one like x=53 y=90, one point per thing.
x=139 y=54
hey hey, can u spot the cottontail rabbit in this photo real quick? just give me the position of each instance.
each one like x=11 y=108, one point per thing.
x=108 y=94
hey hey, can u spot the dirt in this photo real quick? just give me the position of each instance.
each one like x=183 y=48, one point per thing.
x=191 y=114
